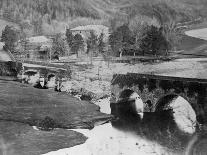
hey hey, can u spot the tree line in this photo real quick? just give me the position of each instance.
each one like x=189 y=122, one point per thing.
x=144 y=40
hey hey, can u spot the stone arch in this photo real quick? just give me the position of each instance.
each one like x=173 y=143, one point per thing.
x=51 y=80
x=50 y=75
x=30 y=72
x=31 y=77
x=183 y=113
x=163 y=102
x=133 y=99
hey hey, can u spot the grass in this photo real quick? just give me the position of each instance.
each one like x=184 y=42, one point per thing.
x=21 y=139
x=22 y=106
x=22 y=103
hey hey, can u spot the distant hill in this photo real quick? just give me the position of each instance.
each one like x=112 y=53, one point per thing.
x=51 y=16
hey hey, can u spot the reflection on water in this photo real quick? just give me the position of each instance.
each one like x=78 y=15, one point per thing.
x=161 y=128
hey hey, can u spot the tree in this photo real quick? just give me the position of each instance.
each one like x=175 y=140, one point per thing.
x=69 y=37
x=101 y=43
x=58 y=46
x=115 y=41
x=9 y=37
x=53 y=16
x=121 y=40
x=154 y=42
x=37 y=23
x=78 y=43
x=92 y=43
x=172 y=35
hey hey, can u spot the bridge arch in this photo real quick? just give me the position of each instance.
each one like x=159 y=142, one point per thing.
x=51 y=80
x=50 y=75
x=183 y=113
x=133 y=100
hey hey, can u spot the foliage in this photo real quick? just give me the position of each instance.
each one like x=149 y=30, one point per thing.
x=69 y=37
x=9 y=37
x=92 y=42
x=52 y=14
x=154 y=42
x=115 y=41
x=58 y=46
x=47 y=124
x=121 y=40
x=172 y=35
x=78 y=43
x=101 y=43
x=117 y=20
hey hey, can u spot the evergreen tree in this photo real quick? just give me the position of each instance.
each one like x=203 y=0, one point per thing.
x=115 y=41
x=101 y=44
x=121 y=40
x=154 y=42
x=53 y=16
x=58 y=46
x=92 y=42
x=69 y=37
x=78 y=43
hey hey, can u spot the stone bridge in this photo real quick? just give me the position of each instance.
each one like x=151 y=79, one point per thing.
x=156 y=91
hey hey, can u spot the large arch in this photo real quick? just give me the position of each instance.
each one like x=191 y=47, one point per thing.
x=130 y=100
x=164 y=101
x=183 y=113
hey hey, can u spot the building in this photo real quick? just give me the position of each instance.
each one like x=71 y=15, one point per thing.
x=36 y=48
x=97 y=29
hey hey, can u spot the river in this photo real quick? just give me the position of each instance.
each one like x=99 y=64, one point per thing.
x=154 y=134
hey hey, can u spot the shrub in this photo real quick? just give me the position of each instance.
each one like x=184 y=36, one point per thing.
x=47 y=124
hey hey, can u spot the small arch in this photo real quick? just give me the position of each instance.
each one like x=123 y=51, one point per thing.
x=183 y=113
x=30 y=72
x=51 y=81
x=49 y=76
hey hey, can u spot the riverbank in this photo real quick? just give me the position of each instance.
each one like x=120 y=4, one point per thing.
x=22 y=106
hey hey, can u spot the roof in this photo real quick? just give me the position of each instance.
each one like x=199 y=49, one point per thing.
x=39 y=39
x=97 y=28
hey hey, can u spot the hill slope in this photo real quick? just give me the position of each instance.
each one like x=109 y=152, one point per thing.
x=50 y=14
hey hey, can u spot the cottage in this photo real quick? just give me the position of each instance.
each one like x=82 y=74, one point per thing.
x=37 y=48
